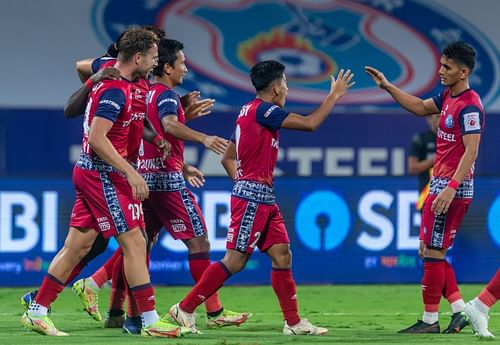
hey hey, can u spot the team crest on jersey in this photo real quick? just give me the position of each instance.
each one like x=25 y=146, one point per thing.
x=223 y=39
x=448 y=121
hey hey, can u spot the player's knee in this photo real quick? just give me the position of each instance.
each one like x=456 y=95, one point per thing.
x=198 y=245
x=133 y=244
x=98 y=247
x=235 y=262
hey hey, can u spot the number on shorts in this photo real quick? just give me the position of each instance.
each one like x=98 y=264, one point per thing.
x=136 y=211
x=257 y=236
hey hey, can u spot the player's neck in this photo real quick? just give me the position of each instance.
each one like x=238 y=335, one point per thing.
x=266 y=97
x=165 y=81
x=459 y=87
x=127 y=71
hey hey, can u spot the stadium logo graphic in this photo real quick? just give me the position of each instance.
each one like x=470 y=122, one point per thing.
x=322 y=220
x=312 y=38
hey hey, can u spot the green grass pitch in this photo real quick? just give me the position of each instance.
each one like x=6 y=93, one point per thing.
x=354 y=314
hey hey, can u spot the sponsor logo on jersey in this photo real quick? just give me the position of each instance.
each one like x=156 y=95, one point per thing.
x=110 y=102
x=445 y=136
x=167 y=100
x=270 y=110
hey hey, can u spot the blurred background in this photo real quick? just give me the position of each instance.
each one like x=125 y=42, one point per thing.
x=345 y=190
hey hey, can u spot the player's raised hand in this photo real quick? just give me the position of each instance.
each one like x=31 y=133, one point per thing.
x=216 y=144
x=190 y=98
x=199 y=108
x=339 y=86
x=110 y=73
x=377 y=76
x=193 y=175
x=140 y=190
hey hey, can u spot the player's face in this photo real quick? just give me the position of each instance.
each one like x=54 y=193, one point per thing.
x=451 y=72
x=281 y=90
x=148 y=61
x=179 y=69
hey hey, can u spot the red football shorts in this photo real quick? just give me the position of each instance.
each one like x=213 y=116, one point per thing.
x=177 y=211
x=255 y=225
x=105 y=203
x=439 y=231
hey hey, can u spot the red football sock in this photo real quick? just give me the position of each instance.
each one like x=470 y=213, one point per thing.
x=450 y=291
x=132 y=308
x=286 y=291
x=198 y=263
x=76 y=271
x=211 y=281
x=103 y=274
x=50 y=288
x=491 y=293
x=118 y=291
x=144 y=296
x=433 y=283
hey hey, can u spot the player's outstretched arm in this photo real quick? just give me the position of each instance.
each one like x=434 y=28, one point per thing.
x=179 y=130
x=75 y=106
x=338 y=88
x=411 y=103
x=229 y=161
x=84 y=69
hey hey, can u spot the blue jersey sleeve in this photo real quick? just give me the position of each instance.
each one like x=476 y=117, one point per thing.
x=471 y=120
x=168 y=103
x=438 y=100
x=270 y=115
x=233 y=137
x=110 y=104
x=97 y=63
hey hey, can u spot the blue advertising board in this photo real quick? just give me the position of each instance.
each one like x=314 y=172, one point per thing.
x=41 y=143
x=343 y=230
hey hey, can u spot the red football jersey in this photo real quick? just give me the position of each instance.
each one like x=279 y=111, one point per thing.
x=257 y=140
x=140 y=89
x=110 y=99
x=460 y=115
x=163 y=101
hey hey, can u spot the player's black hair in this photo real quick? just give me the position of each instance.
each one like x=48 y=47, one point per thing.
x=167 y=54
x=266 y=72
x=461 y=52
x=136 y=40
x=113 y=47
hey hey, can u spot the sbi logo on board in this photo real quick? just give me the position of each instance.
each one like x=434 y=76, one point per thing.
x=493 y=221
x=381 y=218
